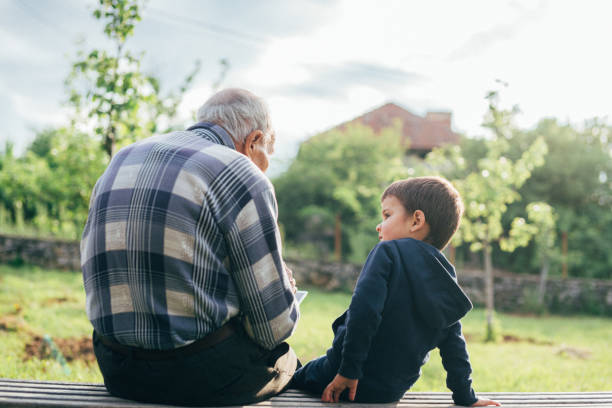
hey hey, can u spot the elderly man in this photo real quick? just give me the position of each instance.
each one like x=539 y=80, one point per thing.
x=181 y=255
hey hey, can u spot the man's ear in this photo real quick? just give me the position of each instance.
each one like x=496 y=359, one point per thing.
x=418 y=221
x=252 y=139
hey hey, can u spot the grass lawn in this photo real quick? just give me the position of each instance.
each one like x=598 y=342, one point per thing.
x=539 y=354
x=35 y=302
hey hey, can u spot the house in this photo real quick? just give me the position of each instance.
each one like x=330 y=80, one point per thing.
x=419 y=134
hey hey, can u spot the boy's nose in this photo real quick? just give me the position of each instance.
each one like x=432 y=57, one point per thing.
x=378 y=228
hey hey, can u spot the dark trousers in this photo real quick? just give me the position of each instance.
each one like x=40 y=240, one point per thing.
x=235 y=371
x=318 y=373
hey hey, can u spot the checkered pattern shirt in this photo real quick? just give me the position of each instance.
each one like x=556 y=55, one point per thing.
x=182 y=236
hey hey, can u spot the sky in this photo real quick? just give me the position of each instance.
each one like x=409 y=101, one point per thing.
x=319 y=63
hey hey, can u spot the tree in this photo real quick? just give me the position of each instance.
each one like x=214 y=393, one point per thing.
x=576 y=180
x=9 y=195
x=110 y=91
x=488 y=189
x=46 y=191
x=336 y=180
x=544 y=218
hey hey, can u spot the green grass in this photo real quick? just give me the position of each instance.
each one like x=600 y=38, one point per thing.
x=552 y=362
x=34 y=301
x=546 y=358
x=318 y=311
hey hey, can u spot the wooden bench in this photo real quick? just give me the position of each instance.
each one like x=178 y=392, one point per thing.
x=26 y=393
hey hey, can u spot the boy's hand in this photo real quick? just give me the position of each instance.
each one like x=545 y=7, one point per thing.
x=334 y=389
x=485 y=402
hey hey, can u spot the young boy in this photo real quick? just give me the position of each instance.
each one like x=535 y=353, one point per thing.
x=406 y=302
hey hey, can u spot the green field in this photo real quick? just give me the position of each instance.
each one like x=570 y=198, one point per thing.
x=539 y=354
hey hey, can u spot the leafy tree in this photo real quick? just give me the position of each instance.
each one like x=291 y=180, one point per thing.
x=576 y=180
x=332 y=190
x=9 y=195
x=74 y=163
x=487 y=188
x=110 y=91
x=48 y=187
x=544 y=218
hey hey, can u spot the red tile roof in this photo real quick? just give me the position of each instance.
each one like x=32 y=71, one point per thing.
x=418 y=133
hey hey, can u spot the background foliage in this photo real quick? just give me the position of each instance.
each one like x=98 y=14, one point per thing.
x=573 y=182
x=329 y=196
x=46 y=190
x=336 y=180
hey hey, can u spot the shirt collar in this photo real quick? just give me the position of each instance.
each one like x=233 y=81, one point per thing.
x=214 y=133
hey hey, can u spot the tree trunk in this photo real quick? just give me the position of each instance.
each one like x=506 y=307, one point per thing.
x=543 y=279
x=489 y=290
x=338 y=239
x=564 y=251
x=109 y=142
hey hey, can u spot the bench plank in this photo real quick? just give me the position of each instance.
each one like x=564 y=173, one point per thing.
x=41 y=394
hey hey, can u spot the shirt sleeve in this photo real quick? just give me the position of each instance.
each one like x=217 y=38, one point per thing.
x=365 y=312
x=456 y=362
x=267 y=303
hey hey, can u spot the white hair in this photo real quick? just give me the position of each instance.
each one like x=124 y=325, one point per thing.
x=238 y=111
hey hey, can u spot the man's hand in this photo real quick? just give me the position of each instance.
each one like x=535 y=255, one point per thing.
x=485 y=402
x=289 y=273
x=334 y=389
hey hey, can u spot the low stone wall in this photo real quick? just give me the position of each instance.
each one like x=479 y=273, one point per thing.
x=324 y=275
x=49 y=253
x=515 y=292
x=512 y=292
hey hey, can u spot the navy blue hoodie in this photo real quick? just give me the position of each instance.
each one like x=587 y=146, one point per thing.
x=406 y=303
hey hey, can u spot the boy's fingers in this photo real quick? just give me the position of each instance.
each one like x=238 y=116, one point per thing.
x=335 y=388
x=336 y=393
x=331 y=393
x=352 y=392
x=326 y=397
x=485 y=402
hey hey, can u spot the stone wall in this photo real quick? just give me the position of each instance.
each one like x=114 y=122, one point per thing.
x=512 y=292
x=49 y=253
x=515 y=292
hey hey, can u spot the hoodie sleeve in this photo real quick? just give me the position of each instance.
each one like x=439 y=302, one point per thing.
x=456 y=362
x=365 y=311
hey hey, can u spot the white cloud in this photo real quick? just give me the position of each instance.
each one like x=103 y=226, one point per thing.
x=14 y=48
x=30 y=109
x=406 y=43
x=334 y=62
x=192 y=100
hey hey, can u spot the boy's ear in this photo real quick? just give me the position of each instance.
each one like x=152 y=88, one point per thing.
x=418 y=221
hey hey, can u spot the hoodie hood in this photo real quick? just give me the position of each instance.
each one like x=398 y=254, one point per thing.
x=439 y=300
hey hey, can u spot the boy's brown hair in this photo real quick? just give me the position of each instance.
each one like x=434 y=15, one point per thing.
x=439 y=201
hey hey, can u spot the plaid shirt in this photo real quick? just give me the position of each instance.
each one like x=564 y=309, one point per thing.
x=182 y=236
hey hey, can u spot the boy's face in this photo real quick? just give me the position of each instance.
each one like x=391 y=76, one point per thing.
x=397 y=223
